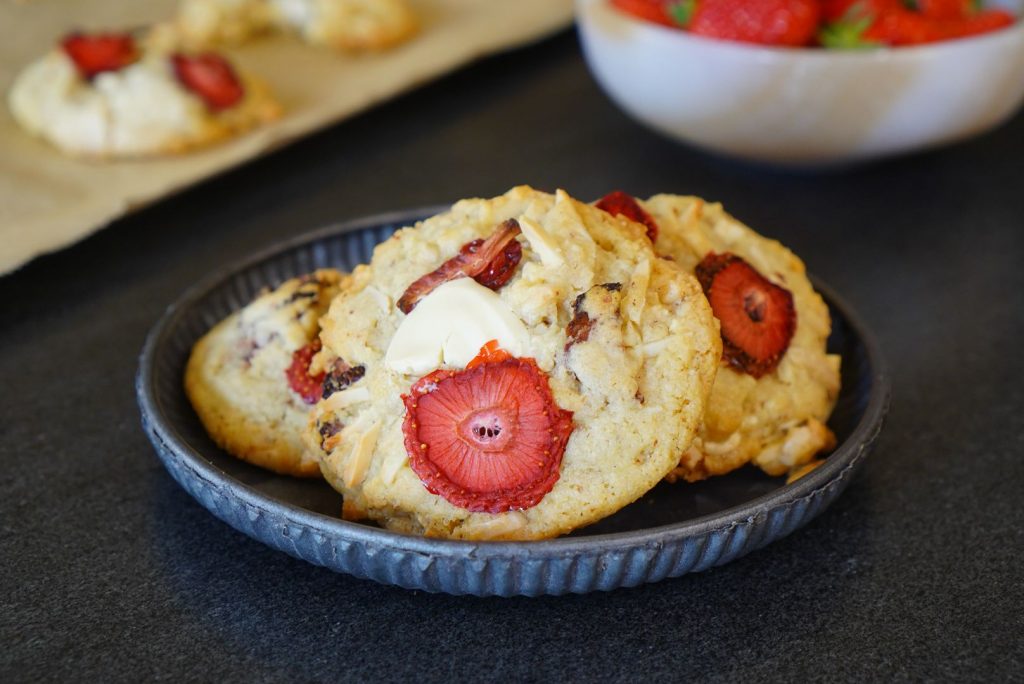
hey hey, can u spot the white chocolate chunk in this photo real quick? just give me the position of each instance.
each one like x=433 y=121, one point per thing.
x=450 y=325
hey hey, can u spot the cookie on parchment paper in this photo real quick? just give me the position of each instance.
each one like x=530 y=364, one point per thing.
x=106 y=95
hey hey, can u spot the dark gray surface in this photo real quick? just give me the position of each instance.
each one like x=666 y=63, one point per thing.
x=110 y=570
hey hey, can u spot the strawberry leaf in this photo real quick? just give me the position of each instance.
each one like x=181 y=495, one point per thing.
x=682 y=12
x=846 y=35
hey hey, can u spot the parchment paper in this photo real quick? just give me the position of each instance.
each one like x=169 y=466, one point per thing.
x=48 y=201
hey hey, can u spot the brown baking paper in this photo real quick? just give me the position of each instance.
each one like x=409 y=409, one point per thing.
x=48 y=201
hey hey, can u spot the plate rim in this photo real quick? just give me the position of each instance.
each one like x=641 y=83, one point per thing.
x=836 y=468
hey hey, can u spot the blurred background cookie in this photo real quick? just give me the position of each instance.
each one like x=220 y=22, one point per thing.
x=109 y=95
x=340 y=24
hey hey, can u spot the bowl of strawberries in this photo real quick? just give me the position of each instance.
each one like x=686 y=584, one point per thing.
x=809 y=82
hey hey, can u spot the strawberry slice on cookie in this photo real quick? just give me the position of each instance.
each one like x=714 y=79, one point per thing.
x=98 y=52
x=618 y=203
x=489 y=438
x=757 y=316
x=209 y=76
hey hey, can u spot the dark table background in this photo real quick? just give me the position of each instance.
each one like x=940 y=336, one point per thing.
x=109 y=570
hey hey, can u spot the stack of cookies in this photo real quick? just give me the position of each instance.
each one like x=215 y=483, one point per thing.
x=522 y=366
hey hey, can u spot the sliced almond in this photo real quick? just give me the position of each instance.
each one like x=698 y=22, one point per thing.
x=346 y=397
x=394 y=463
x=499 y=526
x=635 y=297
x=542 y=243
x=359 y=460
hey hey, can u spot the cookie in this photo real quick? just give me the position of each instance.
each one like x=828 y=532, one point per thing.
x=106 y=95
x=527 y=366
x=353 y=25
x=770 y=403
x=248 y=377
x=201 y=24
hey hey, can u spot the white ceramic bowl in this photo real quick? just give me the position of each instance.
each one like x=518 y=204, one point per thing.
x=803 y=106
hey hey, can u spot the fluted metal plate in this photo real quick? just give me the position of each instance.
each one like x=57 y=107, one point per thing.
x=673 y=530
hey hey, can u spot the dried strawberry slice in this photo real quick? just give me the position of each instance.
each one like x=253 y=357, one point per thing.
x=307 y=386
x=491 y=352
x=341 y=376
x=209 y=76
x=491 y=262
x=489 y=438
x=98 y=52
x=618 y=203
x=501 y=268
x=757 y=316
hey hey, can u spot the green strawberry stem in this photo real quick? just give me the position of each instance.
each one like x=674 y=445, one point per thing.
x=682 y=12
x=846 y=35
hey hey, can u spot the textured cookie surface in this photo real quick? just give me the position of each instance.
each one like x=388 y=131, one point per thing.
x=625 y=339
x=776 y=421
x=342 y=24
x=236 y=375
x=140 y=110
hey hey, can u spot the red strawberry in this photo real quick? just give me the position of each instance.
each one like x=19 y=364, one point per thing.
x=982 y=22
x=651 y=10
x=757 y=316
x=947 y=9
x=307 y=386
x=618 y=203
x=769 y=22
x=209 y=76
x=489 y=438
x=491 y=262
x=871 y=23
x=98 y=52
x=853 y=10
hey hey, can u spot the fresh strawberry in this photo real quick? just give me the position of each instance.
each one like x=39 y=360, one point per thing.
x=757 y=316
x=307 y=386
x=872 y=24
x=618 y=203
x=946 y=9
x=491 y=262
x=982 y=22
x=209 y=76
x=489 y=438
x=769 y=22
x=854 y=10
x=98 y=52
x=651 y=10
